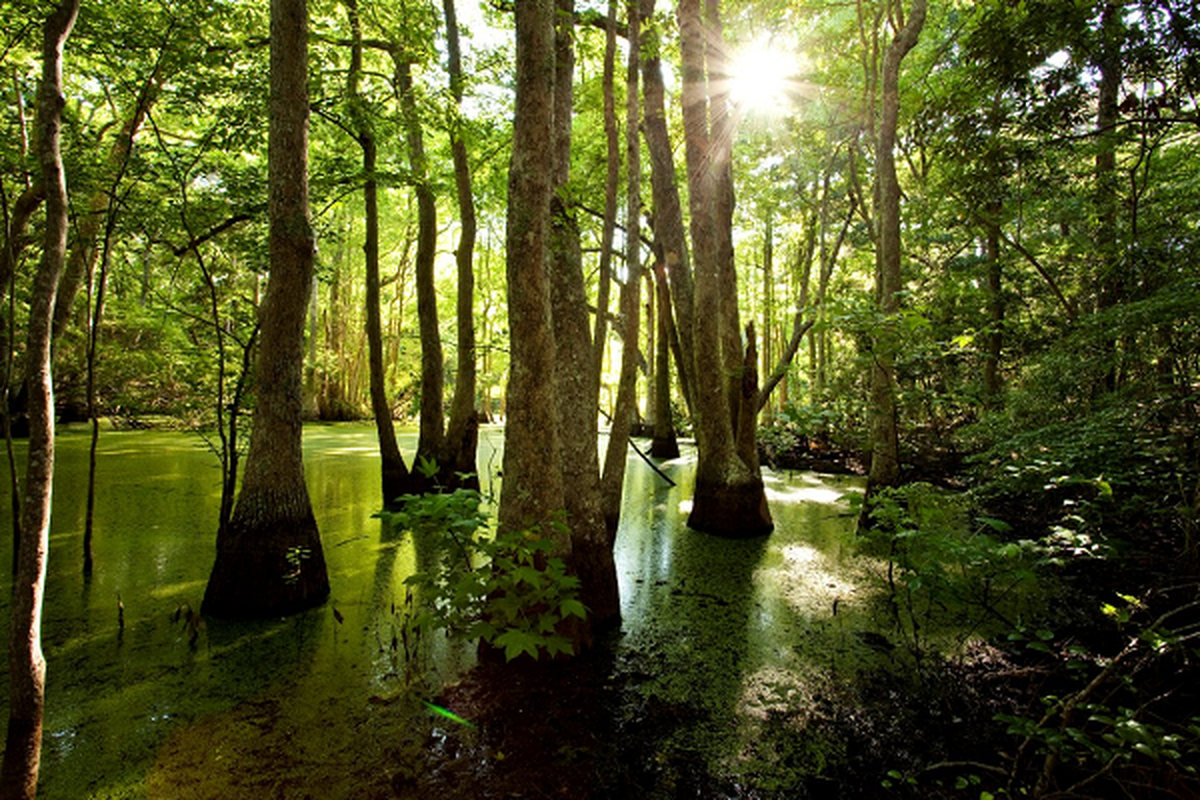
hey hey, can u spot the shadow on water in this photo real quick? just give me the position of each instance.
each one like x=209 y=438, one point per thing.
x=724 y=653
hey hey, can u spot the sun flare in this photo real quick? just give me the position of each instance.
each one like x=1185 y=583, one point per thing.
x=762 y=76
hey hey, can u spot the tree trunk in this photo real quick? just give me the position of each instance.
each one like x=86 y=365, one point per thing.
x=613 y=479
x=533 y=482
x=664 y=444
x=768 y=310
x=729 y=497
x=612 y=178
x=885 y=445
x=576 y=382
x=431 y=439
x=270 y=560
x=26 y=663
x=394 y=475
x=462 y=435
x=669 y=229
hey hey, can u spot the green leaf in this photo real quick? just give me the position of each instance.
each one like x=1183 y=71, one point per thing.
x=998 y=525
x=515 y=642
x=573 y=608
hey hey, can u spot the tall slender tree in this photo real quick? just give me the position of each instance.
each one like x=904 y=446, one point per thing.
x=270 y=559
x=431 y=439
x=885 y=442
x=394 y=474
x=669 y=229
x=462 y=431
x=26 y=663
x=630 y=299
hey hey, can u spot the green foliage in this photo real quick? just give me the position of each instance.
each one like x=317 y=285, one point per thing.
x=1114 y=717
x=942 y=565
x=507 y=589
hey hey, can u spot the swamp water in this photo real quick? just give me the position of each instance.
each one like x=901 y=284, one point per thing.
x=316 y=705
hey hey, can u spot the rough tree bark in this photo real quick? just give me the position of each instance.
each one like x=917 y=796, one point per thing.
x=270 y=560
x=26 y=663
x=577 y=385
x=533 y=484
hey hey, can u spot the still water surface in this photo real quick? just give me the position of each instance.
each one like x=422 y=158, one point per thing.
x=164 y=708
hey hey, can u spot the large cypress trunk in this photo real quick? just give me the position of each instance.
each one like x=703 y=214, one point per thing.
x=270 y=561
x=533 y=481
x=729 y=499
x=577 y=386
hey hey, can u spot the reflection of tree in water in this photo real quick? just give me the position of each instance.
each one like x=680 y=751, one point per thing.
x=687 y=600
x=727 y=641
x=419 y=659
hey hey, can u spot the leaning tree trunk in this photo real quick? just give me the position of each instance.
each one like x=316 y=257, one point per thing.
x=270 y=559
x=885 y=443
x=729 y=499
x=82 y=260
x=26 y=663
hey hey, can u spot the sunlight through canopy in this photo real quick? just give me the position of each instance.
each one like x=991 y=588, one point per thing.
x=763 y=77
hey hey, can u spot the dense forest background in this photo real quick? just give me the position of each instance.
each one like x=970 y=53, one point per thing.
x=964 y=238
x=1045 y=155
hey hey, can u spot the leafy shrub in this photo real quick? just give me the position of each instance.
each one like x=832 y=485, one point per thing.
x=1124 y=713
x=943 y=565
x=507 y=588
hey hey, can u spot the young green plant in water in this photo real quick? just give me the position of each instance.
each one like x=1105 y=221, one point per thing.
x=506 y=588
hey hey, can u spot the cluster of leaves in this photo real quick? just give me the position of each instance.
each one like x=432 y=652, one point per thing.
x=1123 y=712
x=1098 y=436
x=506 y=588
x=944 y=566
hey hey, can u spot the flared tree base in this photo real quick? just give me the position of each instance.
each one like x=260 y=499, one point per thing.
x=275 y=569
x=664 y=447
x=733 y=509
